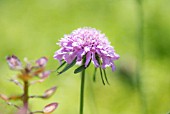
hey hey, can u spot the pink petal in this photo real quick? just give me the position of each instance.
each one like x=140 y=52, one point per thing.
x=94 y=60
x=59 y=54
x=116 y=56
x=113 y=67
x=70 y=58
x=80 y=54
x=106 y=62
x=88 y=58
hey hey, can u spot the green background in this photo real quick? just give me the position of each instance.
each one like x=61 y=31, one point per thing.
x=31 y=28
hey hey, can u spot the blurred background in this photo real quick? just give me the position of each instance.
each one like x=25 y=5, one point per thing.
x=141 y=83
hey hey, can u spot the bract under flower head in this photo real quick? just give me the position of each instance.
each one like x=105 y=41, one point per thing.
x=87 y=42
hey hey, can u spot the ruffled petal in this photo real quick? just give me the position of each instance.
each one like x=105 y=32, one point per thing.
x=94 y=60
x=88 y=58
x=113 y=67
x=80 y=54
x=106 y=62
x=70 y=57
x=116 y=56
x=59 y=55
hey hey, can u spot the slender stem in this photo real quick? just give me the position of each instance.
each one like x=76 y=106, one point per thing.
x=37 y=112
x=140 y=42
x=101 y=74
x=93 y=105
x=94 y=75
x=82 y=91
x=105 y=76
x=17 y=83
x=25 y=95
x=35 y=96
x=9 y=103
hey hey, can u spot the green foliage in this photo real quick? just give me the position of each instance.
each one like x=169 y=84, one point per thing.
x=79 y=69
x=68 y=66
x=62 y=64
x=31 y=28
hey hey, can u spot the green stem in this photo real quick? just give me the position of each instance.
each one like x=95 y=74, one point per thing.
x=25 y=96
x=37 y=112
x=140 y=42
x=82 y=91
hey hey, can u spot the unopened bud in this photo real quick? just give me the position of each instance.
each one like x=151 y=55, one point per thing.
x=44 y=74
x=42 y=61
x=49 y=92
x=14 y=62
x=50 y=108
x=4 y=97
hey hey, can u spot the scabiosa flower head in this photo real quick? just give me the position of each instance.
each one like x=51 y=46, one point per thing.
x=89 y=43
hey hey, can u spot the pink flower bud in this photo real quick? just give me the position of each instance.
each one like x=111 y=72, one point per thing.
x=50 y=108
x=49 y=92
x=44 y=74
x=14 y=62
x=42 y=61
x=4 y=97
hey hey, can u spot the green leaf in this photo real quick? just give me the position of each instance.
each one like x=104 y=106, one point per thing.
x=68 y=66
x=84 y=59
x=106 y=76
x=101 y=74
x=94 y=74
x=61 y=65
x=79 y=69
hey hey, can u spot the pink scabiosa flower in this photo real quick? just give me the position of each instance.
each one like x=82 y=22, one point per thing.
x=86 y=45
x=89 y=44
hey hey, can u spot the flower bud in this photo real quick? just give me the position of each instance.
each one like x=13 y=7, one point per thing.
x=50 y=108
x=44 y=74
x=42 y=61
x=4 y=97
x=48 y=93
x=14 y=63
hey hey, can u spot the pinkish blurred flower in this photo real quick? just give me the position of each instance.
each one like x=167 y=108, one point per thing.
x=50 y=108
x=48 y=93
x=90 y=43
x=4 y=97
x=42 y=61
x=44 y=74
x=14 y=63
